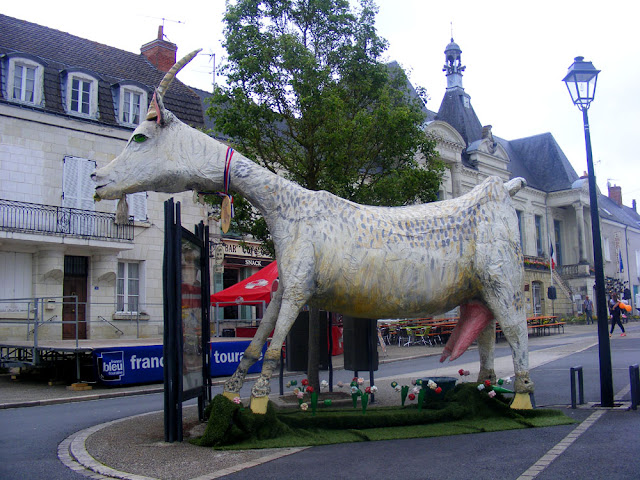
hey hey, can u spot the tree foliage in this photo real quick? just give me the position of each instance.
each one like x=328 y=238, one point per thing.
x=308 y=97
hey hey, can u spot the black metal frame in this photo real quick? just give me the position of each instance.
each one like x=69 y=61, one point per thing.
x=174 y=395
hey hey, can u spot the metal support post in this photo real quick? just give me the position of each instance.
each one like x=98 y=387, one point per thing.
x=577 y=369
x=634 y=379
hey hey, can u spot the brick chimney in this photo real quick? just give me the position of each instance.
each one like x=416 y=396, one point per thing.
x=161 y=53
x=615 y=194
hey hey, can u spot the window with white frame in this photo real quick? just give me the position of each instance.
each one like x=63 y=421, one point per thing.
x=606 y=250
x=538 y=224
x=132 y=103
x=25 y=81
x=128 y=287
x=82 y=95
x=16 y=281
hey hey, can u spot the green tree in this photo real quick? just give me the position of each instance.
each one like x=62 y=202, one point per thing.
x=308 y=97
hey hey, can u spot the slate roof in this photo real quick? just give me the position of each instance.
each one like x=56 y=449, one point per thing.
x=59 y=51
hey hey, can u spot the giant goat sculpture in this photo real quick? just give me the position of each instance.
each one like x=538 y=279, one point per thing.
x=362 y=261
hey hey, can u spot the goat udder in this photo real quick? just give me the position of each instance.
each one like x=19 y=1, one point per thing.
x=474 y=317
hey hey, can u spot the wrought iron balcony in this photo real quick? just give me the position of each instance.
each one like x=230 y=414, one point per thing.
x=49 y=220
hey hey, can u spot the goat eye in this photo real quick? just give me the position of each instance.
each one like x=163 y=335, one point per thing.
x=139 y=138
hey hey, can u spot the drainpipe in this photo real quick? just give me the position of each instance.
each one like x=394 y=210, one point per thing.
x=626 y=247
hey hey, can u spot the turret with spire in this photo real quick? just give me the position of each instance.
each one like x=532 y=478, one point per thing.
x=453 y=65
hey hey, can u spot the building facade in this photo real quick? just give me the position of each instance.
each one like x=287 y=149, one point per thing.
x=68 y=106
x=553 y=210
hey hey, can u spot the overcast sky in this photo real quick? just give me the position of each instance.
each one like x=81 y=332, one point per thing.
x=516 y=54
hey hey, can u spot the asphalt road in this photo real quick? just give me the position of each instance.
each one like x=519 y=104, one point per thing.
x=609 y=448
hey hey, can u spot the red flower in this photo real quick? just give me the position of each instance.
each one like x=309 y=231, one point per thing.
x=305 y=382
x=487 y=383
x=309 y=389
x=439 y=390
x=355 y=379
x=461 y=372
x=367 y=390
x=412 y=396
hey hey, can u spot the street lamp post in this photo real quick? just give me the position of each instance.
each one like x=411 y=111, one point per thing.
x=581 y=83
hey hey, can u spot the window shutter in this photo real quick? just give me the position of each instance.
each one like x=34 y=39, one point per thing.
x=77 y=187
x=138 y=206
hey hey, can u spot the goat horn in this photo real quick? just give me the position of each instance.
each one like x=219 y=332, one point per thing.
x=169 y=76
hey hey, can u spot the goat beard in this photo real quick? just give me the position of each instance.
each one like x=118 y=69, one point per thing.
x=122 y=211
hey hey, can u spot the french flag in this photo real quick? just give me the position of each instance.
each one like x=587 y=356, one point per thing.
x=552 y=254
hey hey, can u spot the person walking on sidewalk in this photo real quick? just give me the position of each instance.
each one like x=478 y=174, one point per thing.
x=615 y=311
x=587 y=306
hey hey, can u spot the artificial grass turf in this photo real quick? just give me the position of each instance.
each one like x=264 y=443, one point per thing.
x=464 y=410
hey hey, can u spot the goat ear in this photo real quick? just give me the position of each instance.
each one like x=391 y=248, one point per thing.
x=156 y=109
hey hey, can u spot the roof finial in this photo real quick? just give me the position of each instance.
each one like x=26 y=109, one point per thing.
x=451 y=31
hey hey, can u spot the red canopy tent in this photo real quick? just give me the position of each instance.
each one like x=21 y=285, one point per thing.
x=255 y=289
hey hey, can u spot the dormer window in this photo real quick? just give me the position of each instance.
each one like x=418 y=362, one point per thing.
x=129 y=101
x=81 y=94
x=24 y=81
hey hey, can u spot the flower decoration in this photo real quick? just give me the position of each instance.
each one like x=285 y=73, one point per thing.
x=461 y=372
x=394 y=384
x=354 y=390
x=237 y=400
x=309 y=389
x=305 y=382
x=300 y=395
x=438 y=390
x=374 y=389
x=481 y=387
x=419 y=382
x=360 y=381
x=304 y=407
x=294 y=382
x=327 y=402
x=340 y=384
x=397 y=388
x=412 y=396
x=367 y=390
x=500 y=381
x=492 y=394
x=415 y=390
x=467 y=373
x=487 y=383
x=288 y=385
x=296 y=391
x=324 y=384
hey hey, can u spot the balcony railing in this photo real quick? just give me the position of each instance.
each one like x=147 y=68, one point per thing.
x=50 y=220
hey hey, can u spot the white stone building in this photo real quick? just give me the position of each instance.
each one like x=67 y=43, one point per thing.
x=67 y=106
x=554 y=209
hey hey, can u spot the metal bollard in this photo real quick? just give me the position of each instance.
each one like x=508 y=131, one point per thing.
x=580 y=386
x=634 y=380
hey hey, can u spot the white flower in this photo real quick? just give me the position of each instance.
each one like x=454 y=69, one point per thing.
x=360 y=381
x=432 y=385
x=288 y=384
x=374 y=389
x=354 y=390
x=398 y=388
x=416 y=390
x=324 y=384
x=237 y=400
x=481 y=387
x=296 y=391
x=304 y=407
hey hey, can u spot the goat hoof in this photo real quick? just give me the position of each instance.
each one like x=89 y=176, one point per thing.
x=230 y=395
x=259 y=404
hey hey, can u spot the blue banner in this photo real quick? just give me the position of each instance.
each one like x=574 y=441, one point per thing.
x=144 y=364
